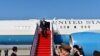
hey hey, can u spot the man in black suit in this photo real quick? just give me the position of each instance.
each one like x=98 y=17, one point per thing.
x=0 y=52
x=14 y=51
x=6 y=52
x=43 y=27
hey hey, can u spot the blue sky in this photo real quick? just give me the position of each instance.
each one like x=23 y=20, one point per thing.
x=26 y=9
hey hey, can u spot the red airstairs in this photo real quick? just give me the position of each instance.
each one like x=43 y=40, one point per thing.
x=43 y=46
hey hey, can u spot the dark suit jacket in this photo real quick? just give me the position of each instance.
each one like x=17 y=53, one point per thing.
x=13 y=54
x=76 y=54
x=43 y=26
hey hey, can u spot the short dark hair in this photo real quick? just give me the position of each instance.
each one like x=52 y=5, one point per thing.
x=76 y=46
x=96 y=53
x=14 y=48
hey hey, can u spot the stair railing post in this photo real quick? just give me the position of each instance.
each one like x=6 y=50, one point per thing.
x=35 y=42
x=52 y=32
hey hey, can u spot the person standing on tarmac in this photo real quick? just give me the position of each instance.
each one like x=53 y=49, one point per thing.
x=6 y=52
x=14 y=51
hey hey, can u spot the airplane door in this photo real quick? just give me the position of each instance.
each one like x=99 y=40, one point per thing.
x=48 y=25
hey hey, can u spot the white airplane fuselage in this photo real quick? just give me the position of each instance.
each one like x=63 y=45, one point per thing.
x=21 y=32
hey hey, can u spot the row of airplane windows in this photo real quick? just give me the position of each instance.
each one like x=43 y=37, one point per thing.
x=75 y=27
x=31 y=27
x=24 y=27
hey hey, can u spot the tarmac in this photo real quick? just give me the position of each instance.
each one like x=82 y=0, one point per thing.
x=20 y=52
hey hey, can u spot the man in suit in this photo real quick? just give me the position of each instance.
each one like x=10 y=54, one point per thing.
x=0 y=52
x=6 y=52
x=14 y=51
x=43 y=27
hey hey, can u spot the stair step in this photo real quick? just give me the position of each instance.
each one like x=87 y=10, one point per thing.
x=43 y=49
x=43 y=55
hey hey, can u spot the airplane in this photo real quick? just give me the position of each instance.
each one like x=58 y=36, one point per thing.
x=21 y=33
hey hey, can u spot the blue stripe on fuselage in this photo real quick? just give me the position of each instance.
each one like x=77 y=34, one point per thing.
x=28 y=39
x=16 y=39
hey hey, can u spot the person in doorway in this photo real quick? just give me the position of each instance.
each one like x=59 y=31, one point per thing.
x=14 y=51
x=43 y=27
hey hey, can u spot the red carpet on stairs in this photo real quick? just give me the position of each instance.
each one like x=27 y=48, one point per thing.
x=44 y=45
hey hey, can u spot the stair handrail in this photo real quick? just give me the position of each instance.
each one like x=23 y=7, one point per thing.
x=52 y=42
x=35 y=42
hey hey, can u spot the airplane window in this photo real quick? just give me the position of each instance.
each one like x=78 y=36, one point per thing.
x=74 y=26
x=64 y=26
x=81 y=26
x=85 y=26
x=60 y=26
x=67 y=26
x=88 y=26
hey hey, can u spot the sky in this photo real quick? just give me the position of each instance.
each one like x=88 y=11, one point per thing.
x=32 y=9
